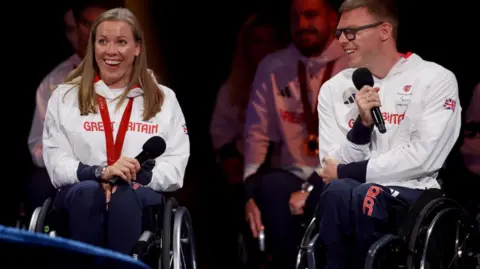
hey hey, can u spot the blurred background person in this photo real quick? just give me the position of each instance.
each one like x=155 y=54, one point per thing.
x=71 y=29
x=78 y=20
x=258 y=36
x=471 y=145
x=470 y=150
x=282 y=112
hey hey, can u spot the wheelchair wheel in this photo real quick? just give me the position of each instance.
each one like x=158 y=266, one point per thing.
x=184 y=252
x=147 y=249
x=154 y=246
x=170 y=208
x=39 y=216
x=451 y=241
x=309 y=256
x=385 y=253
x=420 y=230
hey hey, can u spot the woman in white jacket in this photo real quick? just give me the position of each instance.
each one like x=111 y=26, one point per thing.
x=97 y=122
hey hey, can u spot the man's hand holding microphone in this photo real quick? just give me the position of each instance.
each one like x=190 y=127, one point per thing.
x=367 y=99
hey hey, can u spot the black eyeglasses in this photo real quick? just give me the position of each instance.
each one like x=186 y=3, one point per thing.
x=350 y=32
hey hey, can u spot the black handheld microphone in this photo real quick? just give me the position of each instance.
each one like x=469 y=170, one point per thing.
x=362 y=77
x=154 y=147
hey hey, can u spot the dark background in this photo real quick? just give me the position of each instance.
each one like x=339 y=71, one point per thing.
x=197 y=40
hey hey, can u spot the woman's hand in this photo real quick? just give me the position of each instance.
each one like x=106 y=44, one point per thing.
x=126 y=168
x=109 y=190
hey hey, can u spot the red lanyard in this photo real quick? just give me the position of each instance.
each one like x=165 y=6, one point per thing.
x=114 y=149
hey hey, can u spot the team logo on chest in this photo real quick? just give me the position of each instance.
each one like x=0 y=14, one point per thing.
x=405 y=95
x=139 y=127
x=349 y=96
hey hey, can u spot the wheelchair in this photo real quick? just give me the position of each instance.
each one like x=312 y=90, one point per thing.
x=435 y=233
x=167 y=240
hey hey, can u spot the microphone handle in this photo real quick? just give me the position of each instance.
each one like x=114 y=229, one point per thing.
x=378 y=120
x=142 y=157
x=114 y=180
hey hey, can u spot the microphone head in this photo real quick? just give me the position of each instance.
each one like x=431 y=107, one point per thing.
x=361 y=77
x=154 y=147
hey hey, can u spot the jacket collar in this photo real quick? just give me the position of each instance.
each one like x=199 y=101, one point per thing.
x=405 y=62
x=102 y=89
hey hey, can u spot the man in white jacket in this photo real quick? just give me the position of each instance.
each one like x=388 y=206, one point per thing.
x=282 y=111
x=367 y=171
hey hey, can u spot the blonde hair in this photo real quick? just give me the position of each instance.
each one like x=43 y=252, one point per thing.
x=243 y=66
x=383 y=9
x=83 y=76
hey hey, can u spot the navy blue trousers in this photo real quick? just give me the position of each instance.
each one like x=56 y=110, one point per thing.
x=352 y=216
x=117 y=228
x=283 y=232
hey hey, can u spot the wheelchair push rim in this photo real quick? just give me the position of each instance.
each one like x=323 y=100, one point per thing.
x=306 y=257
x=184 y=251
x=416 y=239
x=460 y=253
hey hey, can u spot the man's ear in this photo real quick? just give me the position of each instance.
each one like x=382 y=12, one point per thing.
x=386 y=30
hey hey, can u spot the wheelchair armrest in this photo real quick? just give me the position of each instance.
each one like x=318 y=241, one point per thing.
x=385 y=242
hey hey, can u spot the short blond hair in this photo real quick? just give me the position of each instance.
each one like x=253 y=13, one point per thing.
x=385 y=10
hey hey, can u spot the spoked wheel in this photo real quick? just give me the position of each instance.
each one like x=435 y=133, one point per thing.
x=39 y=216
x=170 y=208
x=451 y=241
x=386 y=253
x=174 y=246
x=309 y=256
x=184 y=252
x=418 y=235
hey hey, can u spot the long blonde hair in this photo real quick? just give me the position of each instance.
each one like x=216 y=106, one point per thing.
x=243 y=66
x=84 y=74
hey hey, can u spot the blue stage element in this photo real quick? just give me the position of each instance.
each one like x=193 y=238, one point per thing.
x=24 y=249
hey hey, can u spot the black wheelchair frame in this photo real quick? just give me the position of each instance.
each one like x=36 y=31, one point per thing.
x=415 y=245
x=173 y=229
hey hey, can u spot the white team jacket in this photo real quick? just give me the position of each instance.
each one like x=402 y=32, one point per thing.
x=70 y=138
x=44 y=91
x=275 y=110
x=422 y=113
